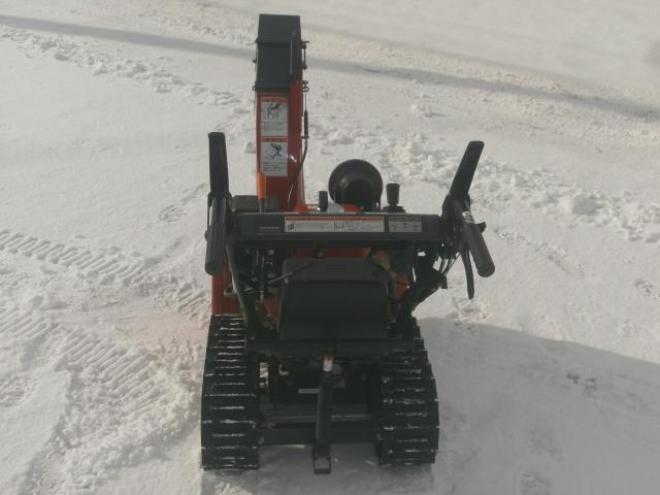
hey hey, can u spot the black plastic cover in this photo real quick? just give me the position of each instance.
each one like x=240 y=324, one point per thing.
x=279 y=51
x=250 y=203
x=356 y=182
x=333 y=298
x=218 y=167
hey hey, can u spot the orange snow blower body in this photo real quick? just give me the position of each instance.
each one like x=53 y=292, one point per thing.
x=312 y=338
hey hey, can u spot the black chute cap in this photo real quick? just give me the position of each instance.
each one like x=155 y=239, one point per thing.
x=356 y=182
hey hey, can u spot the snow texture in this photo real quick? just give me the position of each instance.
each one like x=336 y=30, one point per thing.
x=549 y=381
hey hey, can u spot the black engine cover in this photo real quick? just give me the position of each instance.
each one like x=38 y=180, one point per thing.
x=343 y=298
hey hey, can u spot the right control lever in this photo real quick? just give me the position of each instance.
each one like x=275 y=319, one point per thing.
x=465 y=233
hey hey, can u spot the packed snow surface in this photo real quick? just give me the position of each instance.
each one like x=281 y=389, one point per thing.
x=549 y=381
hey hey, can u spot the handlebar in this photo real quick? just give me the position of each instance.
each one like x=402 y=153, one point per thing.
x=215 y=237
x=465 y=235
x=217 y=204
x=475 y=241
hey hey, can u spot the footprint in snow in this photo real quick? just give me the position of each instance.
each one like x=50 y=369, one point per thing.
x=541 y=441
x=532 y=483
x=589 y=385
x=647 y=288
x=13 y=389
x=170 y=213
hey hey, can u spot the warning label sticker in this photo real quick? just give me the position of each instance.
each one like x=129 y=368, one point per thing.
x=405 y=225
x=274 y=158
x=334 y=224
x=274 y=116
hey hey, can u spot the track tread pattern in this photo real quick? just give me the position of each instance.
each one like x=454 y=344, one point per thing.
x=230 y=399
x=409 y=429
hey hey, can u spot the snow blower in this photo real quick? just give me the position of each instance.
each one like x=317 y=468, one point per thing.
x=312 y=340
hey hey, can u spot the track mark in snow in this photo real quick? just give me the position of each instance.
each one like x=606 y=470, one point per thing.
x=105 y=264
x=559 y=367
x=124 y=404
x=174 y=212
x=467 y=312
x=110 y=265
x=185 y=298
x=13 y=388
x=87 y=55
x=555 y=254
x=31 y=331
x=620 y=393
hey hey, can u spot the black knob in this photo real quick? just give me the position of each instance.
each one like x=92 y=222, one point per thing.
x=323 y=200
x=392 y=191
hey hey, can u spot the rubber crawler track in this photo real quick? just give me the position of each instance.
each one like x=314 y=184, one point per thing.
x=230 y=399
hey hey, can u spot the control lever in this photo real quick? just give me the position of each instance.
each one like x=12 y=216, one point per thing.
x=456 y=210
x=474 y=240
x=469 y=276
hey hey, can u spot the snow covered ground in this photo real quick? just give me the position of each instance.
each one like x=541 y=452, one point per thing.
x=549 y=381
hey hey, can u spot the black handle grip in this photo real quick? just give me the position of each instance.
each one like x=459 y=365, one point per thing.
x=215 y=237
x=218 y=164
x=474 y=240
x=460 y=186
